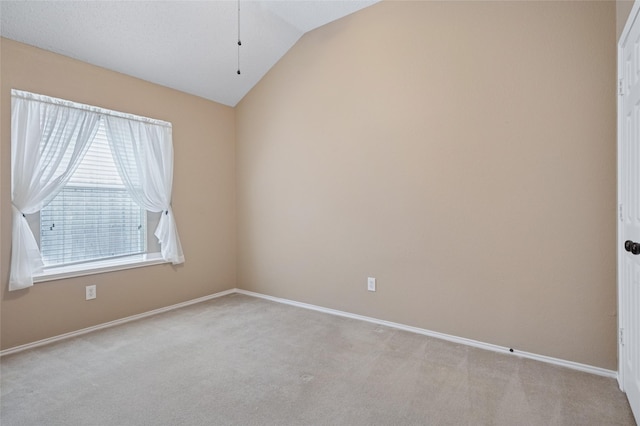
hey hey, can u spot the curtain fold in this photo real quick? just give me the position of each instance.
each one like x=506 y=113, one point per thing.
x=143 y=154
x=48 y=141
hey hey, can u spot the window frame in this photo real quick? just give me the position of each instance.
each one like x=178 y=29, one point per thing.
x=152 y=255
x=64 y=128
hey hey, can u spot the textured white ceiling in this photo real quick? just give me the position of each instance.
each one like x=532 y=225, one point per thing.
x=186 y=45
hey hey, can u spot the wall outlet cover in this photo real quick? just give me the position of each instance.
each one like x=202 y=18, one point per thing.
x=90 y=292
x=371 y=284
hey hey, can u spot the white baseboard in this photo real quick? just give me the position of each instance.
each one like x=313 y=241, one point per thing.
x=76 y=333
x=461 y=340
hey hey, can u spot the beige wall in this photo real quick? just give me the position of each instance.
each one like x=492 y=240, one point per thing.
x=464 y=154
x=203 y=199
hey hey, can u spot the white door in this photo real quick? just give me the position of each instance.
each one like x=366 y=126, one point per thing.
x=629 y=210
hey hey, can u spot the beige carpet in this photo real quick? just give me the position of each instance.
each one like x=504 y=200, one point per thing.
x=240 y=360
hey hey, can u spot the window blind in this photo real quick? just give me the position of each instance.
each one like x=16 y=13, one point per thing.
x=93 y=217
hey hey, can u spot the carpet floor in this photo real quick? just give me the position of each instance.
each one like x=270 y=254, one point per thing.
x=240 y=360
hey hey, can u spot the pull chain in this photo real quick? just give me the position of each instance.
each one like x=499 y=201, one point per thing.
x=239 y=42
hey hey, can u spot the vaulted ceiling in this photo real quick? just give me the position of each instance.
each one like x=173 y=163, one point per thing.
x=186 y=45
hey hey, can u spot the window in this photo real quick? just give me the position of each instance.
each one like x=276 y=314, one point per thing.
x=93 y=217
x=87 y=184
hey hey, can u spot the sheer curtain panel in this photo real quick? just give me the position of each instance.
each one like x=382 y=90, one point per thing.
x=143 y=154
x=49 y=137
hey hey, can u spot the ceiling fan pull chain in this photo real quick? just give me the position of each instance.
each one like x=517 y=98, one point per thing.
x=239 y=42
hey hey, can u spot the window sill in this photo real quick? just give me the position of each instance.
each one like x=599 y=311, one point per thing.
x=98 y=267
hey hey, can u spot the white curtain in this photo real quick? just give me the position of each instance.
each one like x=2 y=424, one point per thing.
x=48 y=140
x=143 y=154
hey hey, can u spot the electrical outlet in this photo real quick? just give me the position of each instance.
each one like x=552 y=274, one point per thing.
x=371 y=284
x=90 y=292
